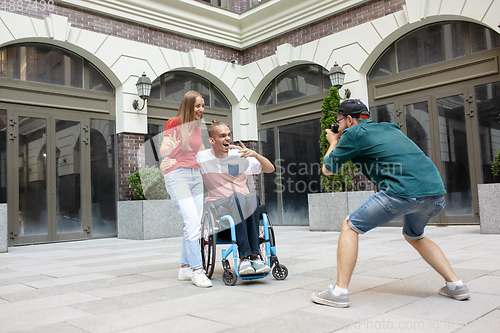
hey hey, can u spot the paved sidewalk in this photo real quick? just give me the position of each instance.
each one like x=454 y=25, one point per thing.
x=116 y=285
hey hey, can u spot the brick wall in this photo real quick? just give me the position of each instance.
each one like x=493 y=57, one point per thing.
x=108 y=25
x=131 y=158
x=92 y=21
x=341 y=21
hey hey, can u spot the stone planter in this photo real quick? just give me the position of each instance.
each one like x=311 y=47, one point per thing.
x=489 y=201
x=4 y=233
x=148 y=219
x=328 y=210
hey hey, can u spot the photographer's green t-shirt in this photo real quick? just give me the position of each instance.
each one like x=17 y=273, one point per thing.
x=387 y=157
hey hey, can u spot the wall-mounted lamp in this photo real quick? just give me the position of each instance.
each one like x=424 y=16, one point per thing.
x=337 y=76
x=143 y=86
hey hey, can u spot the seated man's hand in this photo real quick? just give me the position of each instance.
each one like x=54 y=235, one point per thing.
x=167 y=163
x=244 y=151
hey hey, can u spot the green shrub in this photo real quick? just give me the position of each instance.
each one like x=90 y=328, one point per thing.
x=495 y=165
x=342 y=180
x=148 y=184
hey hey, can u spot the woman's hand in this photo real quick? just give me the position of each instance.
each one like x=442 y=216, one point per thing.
x=169 y=143
x=172 y=141
x=166 y=164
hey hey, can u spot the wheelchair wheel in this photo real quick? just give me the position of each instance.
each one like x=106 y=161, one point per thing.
x=207 y=242
x=262 y=239
x=280 y=272
x=229 y=277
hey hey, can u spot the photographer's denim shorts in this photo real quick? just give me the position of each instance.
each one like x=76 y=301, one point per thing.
x=381 y=208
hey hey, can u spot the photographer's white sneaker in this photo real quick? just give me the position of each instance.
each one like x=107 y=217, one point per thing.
x=199 y=279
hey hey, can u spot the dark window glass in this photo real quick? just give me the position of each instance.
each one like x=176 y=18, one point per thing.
x=267 y=96
x=102 y=177
x=220 y=100
x=68 y=176
x=47 y=64
x=488 y=116
x=294 y=83
x=454 y=155
x=300 y=169
x=429 y=45
x=418 y=126
x=3 y=156
x=482 y=38
x=382 y=66
x=177 y=84
x=152 y=144
x=33 y=201
x=297 y=82
x=270 y=197
x=382 y=113
x=3 y=62
x=97 y=80
x=155 y=89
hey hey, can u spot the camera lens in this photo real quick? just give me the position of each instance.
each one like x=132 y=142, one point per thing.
x=335 y=128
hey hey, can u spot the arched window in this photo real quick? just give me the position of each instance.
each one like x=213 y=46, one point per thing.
x=296 y=82
x=177 y=83
x=432 y=44
x=49 y=64
x=163 y=103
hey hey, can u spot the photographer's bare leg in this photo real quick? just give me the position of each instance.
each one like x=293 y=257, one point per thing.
x=434 y=257
x=347 y=254
x=431 y=253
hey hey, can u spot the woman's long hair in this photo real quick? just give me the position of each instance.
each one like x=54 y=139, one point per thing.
x=187 y=117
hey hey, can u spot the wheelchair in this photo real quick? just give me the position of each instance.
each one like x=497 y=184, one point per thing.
x=218 y=228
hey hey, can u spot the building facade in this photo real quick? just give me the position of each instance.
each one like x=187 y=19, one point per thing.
x=70 y=135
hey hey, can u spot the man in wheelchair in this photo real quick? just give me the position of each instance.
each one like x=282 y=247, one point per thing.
x=224 y=169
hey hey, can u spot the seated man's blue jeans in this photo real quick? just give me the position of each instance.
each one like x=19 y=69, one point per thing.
x=381 y=208
x=245 y=211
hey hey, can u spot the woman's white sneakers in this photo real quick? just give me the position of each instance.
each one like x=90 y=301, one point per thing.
x=199 y=279
x=185 y=274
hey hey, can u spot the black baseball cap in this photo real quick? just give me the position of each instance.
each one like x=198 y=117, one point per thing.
x=351 y=107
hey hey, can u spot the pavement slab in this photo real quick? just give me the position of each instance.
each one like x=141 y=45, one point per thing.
x=119 y=285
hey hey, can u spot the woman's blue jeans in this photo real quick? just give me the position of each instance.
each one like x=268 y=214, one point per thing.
x=185 y=186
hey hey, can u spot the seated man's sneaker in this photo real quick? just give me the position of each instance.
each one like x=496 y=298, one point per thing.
x=459 y=293
x=199 y=279
x=185 y=274
x=245 y=267
x=328 y=298
x=259 y=266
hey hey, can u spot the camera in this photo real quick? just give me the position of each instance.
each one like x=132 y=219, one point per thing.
x=335 y=127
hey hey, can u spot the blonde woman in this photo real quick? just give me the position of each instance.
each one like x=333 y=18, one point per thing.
x=181 y=142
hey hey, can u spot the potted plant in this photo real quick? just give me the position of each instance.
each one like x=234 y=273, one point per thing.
x=328 y=209
x=489 y=200
x=151 y=214
x=148 y=184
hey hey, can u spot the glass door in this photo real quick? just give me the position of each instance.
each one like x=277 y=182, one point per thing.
x=30 y=133
x=441 y=125
x=69 y=142
x=456 y=153
x=48 y=173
